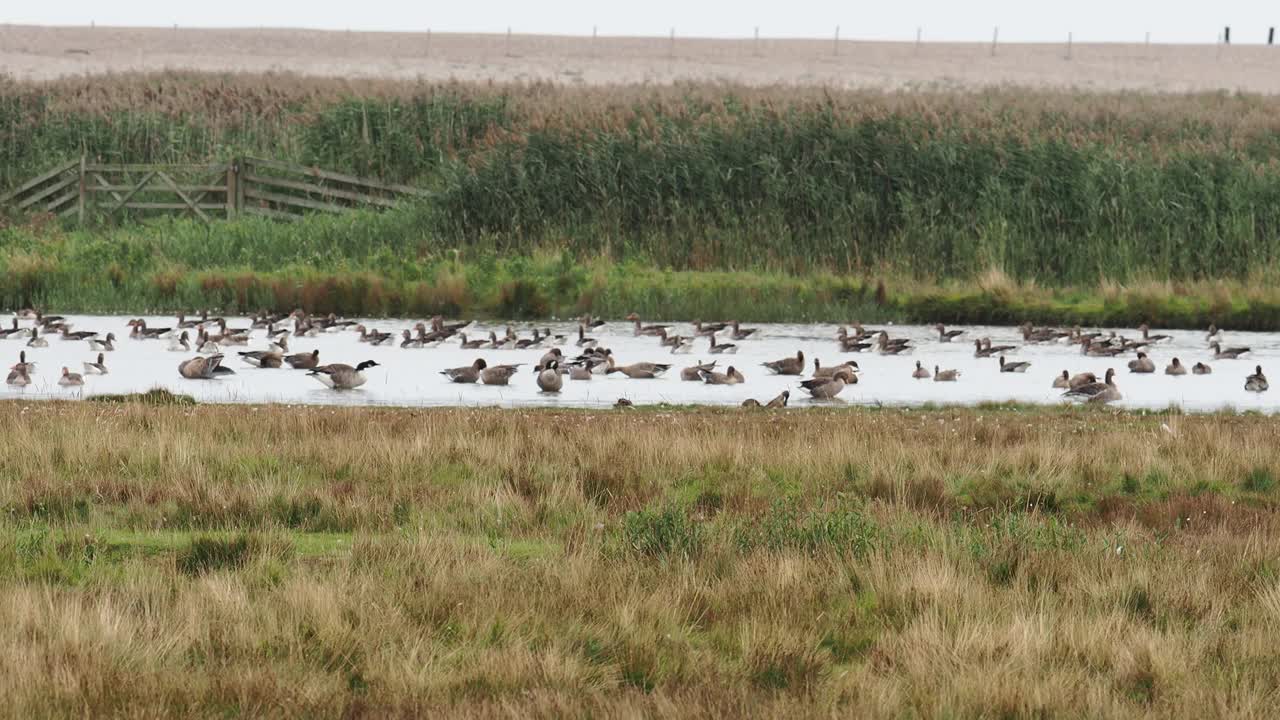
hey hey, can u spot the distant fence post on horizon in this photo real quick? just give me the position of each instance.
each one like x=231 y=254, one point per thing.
x=835 y=46
x=1226 y=35
x=919 y=35
x=671 y=46
x=1069 y=39
x=755 y=46
x=427 y=51
x=995 y=39
x=1271 y=36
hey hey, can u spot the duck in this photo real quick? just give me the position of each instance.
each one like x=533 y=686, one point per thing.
x=96 y=368
x=1201 y=369
x=200 y=367
x=1228 y=354
x=410 y=342
x=787 y=366
x=780 y=401
x=1142 y=364
x=638 y=371
x=1257 y=382
x=731 y=376
x=339 y=376
x=1147 y=337
x=921 y=372
x=36 y=341
x=179 y=343
x=1097 y=392
x=721 y=348
x=498 y=374
x=1175 y=367
x=646 y=330
x=1012 y=367
x=739 y=333
x=70 y=379
x=819 y=371
x=945 y=335
x=945 y=375
x=549 y=378
x=693 y=373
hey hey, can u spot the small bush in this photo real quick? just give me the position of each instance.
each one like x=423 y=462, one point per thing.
x=662 y=533
x=209 y=554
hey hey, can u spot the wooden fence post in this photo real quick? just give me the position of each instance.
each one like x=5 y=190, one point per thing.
x=231 y=189
x=80 y=206
x=995 y=38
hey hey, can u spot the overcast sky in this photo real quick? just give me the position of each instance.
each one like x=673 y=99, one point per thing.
x=1176 y=21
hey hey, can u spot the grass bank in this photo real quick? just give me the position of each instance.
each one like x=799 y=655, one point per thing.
x=338 y=562
x=1064 y=189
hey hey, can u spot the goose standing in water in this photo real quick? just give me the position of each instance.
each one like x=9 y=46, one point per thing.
x=70 y=379
x=304 y=361
x=828 y=388
x=467 y=374
x=200 y=367
x=1257 y=382
x=549 y=378
x=1097 y=392
x=96 y=368
x=638 y=371
x=1175 y=368
x=340 y=376
x=1143 y=364
x=498 y=374
x=787 y=366
x=19 y=374
x=1013 y=367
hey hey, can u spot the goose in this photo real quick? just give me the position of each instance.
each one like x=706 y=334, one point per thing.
x=340 y=376
x=81 y=335
x=819 y=371
x=1066 y=382
x=893 y=346
x=1213 y=333
x=527 y=343
x=19 y=375
x=200 y=367
x=722 y=348
x=850 y=344
x=921 y=372
x=1099 y=349
x=1032 y=334
x=498 y=374
x=1011 y=367
x=600 y=363
x=588 y=321
x=206 y=346
x=1228 y=354
x=304 y=361
x=70 y=379
x=265 y=359
x=1097 y=392
x=739 y=333
x=824 y=388
x=46 y=321
x=623 y=403
x=373 y=337
x=638 y=371
x=470 y=344
x=1201 y=369
x=579 y=372
x=184 y=323
x=178 y=343
x=708 y=329
x=731 y=376
x=467 y=373
x=1175 y=368
x=29 y=367
x=945 y=375
x=694 y=373
x=142 y=332
x=583 y=340
x=1143 y=364
x=646 y=330
x=1148 y=337
x=552 y=355
x=1078 y=336
x=945 y=335
x=780 y=401
x=410 y=342
x=1063 y=381
x=751 y=404
x=11 y=331
x=787 y=366
x=1257 y=382
x=96 y=368
x=986 y=349
x=36 y=341
x=549 y=378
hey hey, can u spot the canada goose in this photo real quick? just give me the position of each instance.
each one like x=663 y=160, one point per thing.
x=30 y=367
x=1228 y=354
x=36 y=341
x=945 y=335
x=1148 y=337
x=945 y=375
x=340 y=376
x=780 y=401
x=498 y=374
x=921 y=372
x=1257 y=382
x=1175 y=368
x=1099 y=392
x=553 y=354
x=646 y=330
x=467 y=373
x=200 y=367
x=708 y=329
x=831 y=370
x=1010 y=367
x=583 y=340
x=638 y=371
x=265 y=359
x=1143 y=364
x=70 y=379
x=96 y=368
x=731 y=376
x=893 y=346
x=740 y=333
x=409 y=342
x=751 y=404
x=824 y=388
x=549 y=379
x=721 y=348
x=787 y=366
x=694 y=373
x=1201 y=369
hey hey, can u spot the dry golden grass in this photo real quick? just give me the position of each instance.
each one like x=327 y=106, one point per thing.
x=347 y=562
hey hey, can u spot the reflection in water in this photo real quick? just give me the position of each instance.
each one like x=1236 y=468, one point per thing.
x=412 y=376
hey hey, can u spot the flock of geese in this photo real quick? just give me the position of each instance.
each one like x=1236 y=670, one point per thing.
x=575 y=356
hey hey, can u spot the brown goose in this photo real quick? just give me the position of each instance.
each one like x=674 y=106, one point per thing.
x=694 y=373
x=891 y=346
x=1097 y=392
x=731 y=376
x=824 y=388
x=831 y=370
x=945 y=375
x=340 y=376
x=740 y=333
x=751 y=404
x=721 y=348
x=1175 y=368
x=638 y=371
x=549 y=378
x=200 y=367
x=1228 y=354
x=646 y=330
x=304 y=361
x=1201 y=369
x=499 y=374
x=96 y=368
x=466 y=374
x=921 y=372
x=1257 y=382
x=1013 y=367
x=70 y=379
x=1147 y=337
x=787 y=366
x=945 y=335
x=1143 y=364
x=1071 y=382
x=780 y=401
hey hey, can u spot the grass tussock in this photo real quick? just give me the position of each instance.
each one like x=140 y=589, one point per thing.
x=689 y=563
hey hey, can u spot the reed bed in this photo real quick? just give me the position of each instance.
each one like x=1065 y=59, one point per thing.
x=348 y=562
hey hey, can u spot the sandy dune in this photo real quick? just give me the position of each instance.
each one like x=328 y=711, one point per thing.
x=39 y=53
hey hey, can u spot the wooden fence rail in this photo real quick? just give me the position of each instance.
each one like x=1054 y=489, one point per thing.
x=208 y=191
